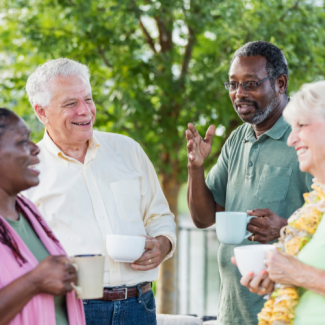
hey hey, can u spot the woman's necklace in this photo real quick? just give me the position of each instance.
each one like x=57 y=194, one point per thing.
x=279 y=309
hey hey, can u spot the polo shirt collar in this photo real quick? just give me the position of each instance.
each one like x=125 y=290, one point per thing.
x=278 y=129
x=276 y=132
x=92 y=149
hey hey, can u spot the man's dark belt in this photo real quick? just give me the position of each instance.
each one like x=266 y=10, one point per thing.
x=123 y=293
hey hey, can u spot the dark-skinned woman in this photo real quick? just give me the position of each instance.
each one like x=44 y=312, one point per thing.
x=35 y=272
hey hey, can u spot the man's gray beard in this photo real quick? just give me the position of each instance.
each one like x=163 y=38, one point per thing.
x=261 y=115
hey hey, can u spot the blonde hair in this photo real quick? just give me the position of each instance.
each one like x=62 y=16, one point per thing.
x=308 y=101
x=38 y=84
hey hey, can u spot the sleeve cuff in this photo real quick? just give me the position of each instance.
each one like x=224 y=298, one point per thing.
x=172 y=239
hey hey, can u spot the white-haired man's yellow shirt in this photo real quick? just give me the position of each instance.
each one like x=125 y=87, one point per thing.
x=115 y=191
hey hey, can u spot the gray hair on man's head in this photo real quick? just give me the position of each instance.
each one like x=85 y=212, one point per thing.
x=38 y=84
x=276 y=62
x=308 y=101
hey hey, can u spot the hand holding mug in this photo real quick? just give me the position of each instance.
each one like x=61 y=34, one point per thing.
x=156 y=249
x=259 y=283
x=266 y=227
x=283 y=268
x=54 y=275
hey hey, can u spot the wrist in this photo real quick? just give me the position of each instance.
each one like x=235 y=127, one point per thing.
x=35 y=282
x=284 y=222
x=165 y=244
x=298 y=272
x=281 y=223
x=192 y=170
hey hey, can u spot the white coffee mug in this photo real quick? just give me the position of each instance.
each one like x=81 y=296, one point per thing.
x=231 y=227
x=90 y=272
x=125 y=249
x=251 y=258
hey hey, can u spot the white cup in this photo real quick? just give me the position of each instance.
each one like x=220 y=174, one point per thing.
x=125 y=249
x=251 y=258
x=90 y=272
x=231 y=227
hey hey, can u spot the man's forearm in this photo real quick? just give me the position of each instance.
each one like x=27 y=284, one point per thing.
x=200 y=199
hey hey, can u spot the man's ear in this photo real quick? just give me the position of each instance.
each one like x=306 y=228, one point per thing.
x=282 y=83
x=41 y=113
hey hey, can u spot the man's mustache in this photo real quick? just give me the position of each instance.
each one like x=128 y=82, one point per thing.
x=245 y=102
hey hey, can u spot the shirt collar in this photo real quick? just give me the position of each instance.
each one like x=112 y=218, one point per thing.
x=278 y=129
x=276 y=132
x=92 y=149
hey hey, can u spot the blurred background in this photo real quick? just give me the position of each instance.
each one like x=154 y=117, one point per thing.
x=155 y=66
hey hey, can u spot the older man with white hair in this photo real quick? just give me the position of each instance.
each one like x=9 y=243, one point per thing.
x=96 y=183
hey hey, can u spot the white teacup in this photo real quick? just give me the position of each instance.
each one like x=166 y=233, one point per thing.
x=90 y=272
x=251 y=258
x=125 y=249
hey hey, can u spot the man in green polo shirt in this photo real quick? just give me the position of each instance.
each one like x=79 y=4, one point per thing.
x=256 y=171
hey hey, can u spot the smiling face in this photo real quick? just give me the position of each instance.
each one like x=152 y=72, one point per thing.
x=252 y=106
x=18 y=157
x=307 y=137
x=70 y=116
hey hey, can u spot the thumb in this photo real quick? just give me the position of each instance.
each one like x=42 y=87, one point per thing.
x=256 y=212
x=210 y=134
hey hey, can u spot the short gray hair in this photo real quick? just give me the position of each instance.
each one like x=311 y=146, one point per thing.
x=309 y=100
x=38 y=83
x=276 y=62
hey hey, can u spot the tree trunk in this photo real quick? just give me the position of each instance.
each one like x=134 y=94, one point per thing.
x=166 y=296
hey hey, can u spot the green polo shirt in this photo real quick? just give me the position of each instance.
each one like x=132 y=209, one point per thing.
x=253 y=174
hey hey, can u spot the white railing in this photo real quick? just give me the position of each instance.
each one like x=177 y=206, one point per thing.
x=198 y=275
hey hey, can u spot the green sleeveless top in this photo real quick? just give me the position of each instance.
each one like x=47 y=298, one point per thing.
x=311 y=307
x=27 y=234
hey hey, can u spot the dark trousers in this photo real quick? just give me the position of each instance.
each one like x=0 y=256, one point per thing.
x=139 y=310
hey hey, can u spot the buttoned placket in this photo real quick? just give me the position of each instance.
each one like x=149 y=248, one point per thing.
x=98 y=207
x=102 y=219
x=253 y=152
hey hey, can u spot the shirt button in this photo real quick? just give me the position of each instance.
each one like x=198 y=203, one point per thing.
x=255 y=146
x=250 y=164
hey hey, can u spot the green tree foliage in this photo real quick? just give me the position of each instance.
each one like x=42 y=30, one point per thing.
x=156 y=65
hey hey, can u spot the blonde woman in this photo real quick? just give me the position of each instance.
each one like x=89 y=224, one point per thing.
x=306 y=270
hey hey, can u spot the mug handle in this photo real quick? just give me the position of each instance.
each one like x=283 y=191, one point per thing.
x=249 y=218
x=77 y=289
x=75 y=265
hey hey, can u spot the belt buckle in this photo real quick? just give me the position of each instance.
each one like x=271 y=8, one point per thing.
x=125 y=294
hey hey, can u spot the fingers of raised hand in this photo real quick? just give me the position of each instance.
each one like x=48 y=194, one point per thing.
x=190 y=148
x=189 y=135
x=210 y=134
x=193 y=130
